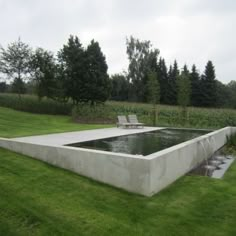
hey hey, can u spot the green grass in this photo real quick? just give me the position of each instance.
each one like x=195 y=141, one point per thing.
x=15 y=123
x=38 y=199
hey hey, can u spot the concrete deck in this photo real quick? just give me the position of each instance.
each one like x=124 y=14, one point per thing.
x=81 y=136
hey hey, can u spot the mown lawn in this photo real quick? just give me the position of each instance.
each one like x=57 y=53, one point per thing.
x=38 y=199
x=15 y=123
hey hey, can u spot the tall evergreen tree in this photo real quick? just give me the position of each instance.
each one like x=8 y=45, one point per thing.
x=96 y=84
x=195 y=87
x=208 y=86
x=186 y=70
x=71 y=59
x=172 y=78
x=162 y=75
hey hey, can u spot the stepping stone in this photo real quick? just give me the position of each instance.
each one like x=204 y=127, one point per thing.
x=210 y=167
x=215 y=162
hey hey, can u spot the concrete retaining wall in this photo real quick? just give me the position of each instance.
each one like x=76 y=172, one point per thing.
x=168 y=165
x=123 y=171
x=144 y=175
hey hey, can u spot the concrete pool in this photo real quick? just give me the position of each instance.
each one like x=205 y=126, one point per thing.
x=144 y=143
x=145 y=175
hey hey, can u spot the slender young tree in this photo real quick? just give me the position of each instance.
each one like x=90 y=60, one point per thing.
x=184 y=93
x=162 y=75
x=15 y=63
x=208 y=86
x=195 y=87
x=142 y=59
x=232 y=92
x=153 y=88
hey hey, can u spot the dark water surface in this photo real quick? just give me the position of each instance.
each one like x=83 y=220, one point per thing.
x=143 y=143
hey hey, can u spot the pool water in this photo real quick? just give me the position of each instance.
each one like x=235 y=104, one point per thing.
x=142 y=143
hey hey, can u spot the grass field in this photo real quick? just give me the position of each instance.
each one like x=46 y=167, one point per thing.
x=39 y=199
x=15 y=123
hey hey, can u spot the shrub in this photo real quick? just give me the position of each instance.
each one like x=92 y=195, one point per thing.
x=30 y=103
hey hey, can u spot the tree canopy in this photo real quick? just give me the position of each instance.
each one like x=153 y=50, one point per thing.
x=43 y=71
x=15 y=60
x=142 y=59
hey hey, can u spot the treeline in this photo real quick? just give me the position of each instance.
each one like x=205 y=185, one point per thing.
x=205 y=89
x=76 y=73
x=79 y=74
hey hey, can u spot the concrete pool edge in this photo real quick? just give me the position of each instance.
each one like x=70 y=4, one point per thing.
x=143 y=175
x=170 y=164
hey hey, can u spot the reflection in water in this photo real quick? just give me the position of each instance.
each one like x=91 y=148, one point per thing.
x=143 y=143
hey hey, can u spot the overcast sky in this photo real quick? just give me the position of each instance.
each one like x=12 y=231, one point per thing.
x=190 y=31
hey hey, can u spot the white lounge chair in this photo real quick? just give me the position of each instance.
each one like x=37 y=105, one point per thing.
x=122 y=122
x=133 y=120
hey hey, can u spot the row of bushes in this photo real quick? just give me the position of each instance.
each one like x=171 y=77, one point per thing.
x=30 y=103
x=107 y=113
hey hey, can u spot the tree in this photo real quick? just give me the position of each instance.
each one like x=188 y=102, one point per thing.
x=142 y=59
x=44 y=72
x=185 y=70
x=173 y=73
x=120 y=87
x=3 y=87
x=195 y=87
x=232 y=93
x=153 y=88
x=184 y=93
x=14 y=63
x=72 y=67
x=96 y=84
x=162 y=75
x=83 y=72
x=208 y=86
x=18 y=86
x=60 y=93
x=223 y=95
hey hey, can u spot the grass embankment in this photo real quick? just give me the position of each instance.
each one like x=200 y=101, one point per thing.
x=38 y=199
x=16 y=123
